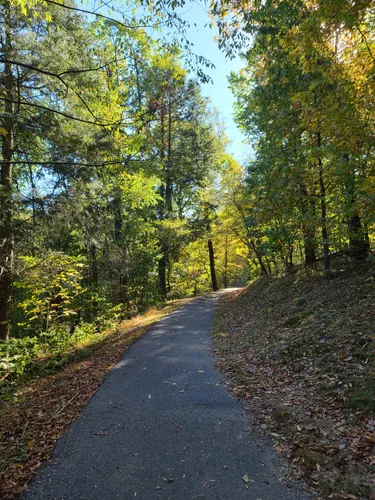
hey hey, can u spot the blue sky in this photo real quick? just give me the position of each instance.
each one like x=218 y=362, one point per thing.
x=218 y=91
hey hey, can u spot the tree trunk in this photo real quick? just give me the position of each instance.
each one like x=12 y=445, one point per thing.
x=226 y=261
x=258 y=256
x=290 y=257
x=168 y=173
x=263 y=270
x=269 y=265
x=358 y=246
x=6 y=233
x=212 y=266
x=327 y=265
x=274 y=261
x=307 y=229
x=93 y=266
x=162 y=272
x=117 y=202
x=166 y=195
x=93 y=276
x=323 y=206
x=309 y=247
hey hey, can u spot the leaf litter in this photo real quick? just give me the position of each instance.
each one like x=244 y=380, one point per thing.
x=301 y=350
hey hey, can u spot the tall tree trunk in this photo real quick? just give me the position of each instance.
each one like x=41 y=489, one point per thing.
x=290 y=257
x=226 y=261
x=358 y=246
x=93 y=276
x=166 y=202
x=309 y=247
x=322 y=195
x=162 y=272
x=309 y=243
x=168 y=173
x=117 y=202
x=212 y=266
x=118 y=230
x=6 y=233
x=93 y=266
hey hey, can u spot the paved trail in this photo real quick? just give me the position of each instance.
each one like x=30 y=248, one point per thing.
x=165 y=415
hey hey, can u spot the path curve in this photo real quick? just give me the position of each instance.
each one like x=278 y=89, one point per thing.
x=162 y=426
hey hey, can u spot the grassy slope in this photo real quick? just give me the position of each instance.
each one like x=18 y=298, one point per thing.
x=40 y=408
x=301 y=350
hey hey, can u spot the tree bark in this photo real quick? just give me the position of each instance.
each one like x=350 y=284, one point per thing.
x=93 y=274
x=307 y=229
x=323 y=205
x=212 y=266
x=6 y=208
x=226 y=261
x=166 y=195
x=162 y=272
x=93 y=266
x=117 y=202
x=263 y=270
x=358 y=245
x=290 y=257
x=322 y=194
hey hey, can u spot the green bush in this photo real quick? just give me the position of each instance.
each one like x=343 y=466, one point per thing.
x=16 y=354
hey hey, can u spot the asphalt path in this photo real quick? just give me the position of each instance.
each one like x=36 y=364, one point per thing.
x=163 y=426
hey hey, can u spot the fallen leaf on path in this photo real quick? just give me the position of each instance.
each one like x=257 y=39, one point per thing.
x=101 y=433
x=169 y=480
x=245 y=478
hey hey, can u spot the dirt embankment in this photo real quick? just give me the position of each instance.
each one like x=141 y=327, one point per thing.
x=301 y=350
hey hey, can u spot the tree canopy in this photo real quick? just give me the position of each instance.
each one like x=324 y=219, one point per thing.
x=116 y=188
x=108 y=149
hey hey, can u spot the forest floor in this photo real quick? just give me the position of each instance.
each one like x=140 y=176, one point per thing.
x=301 y=349
x=35 y=414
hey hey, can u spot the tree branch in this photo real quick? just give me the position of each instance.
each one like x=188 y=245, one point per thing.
x=76 y=9
x=71 y=117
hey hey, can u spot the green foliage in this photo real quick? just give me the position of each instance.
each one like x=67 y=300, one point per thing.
x=114 y=146
x=53 y=285
x=18 y=355
x=303 y=100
